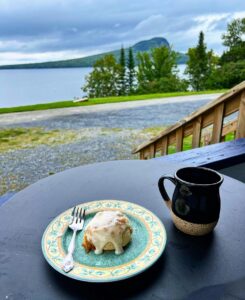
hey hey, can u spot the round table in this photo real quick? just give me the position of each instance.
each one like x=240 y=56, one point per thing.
x=209 y=267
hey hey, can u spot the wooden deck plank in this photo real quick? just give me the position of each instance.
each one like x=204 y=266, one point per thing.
x=207 y=118
x=232 y=105
x=188 y=129
x=229 y=127
x=171 y=138
x=215 y=156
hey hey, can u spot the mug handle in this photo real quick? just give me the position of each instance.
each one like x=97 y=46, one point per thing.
x=163 y=190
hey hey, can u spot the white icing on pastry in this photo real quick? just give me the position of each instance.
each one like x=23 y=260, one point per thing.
x=107 y=227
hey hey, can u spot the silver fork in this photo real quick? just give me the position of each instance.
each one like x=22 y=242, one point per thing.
x=76 y=225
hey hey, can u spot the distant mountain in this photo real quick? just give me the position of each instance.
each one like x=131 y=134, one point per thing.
x=149 y=44
x=90 y=60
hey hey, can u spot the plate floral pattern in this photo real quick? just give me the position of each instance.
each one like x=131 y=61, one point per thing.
x=154 y=236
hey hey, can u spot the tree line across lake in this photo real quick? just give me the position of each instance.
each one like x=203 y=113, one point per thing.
x=157 y=70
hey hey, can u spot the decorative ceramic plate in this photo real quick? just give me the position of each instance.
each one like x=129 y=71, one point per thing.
x=147 y=245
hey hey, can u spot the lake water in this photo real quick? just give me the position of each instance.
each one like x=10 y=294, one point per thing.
x=32 y=86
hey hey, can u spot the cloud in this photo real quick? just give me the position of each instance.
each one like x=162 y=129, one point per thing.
x=213 y=25
x=184 y=31
x=63 y=29
x=149 y=23
x=209 y=22
x=20 y=57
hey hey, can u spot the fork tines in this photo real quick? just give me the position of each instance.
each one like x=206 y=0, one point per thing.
x=77 y=214
x=81 y=214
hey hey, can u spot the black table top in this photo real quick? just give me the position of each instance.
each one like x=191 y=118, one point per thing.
x=209 y=267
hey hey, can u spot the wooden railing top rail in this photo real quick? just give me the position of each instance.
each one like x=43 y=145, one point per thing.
x=203 y=110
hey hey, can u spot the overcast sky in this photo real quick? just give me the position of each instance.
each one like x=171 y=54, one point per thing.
x=42 y=30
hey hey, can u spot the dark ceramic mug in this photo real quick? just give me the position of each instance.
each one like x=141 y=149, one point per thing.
x=195 y=204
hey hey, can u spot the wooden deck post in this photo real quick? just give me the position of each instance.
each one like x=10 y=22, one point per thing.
x=152 y=150
x=240 y=132
x=142 y=154
x=218 y=123
x=179 y=139
x=164 y=150
x=196 y=132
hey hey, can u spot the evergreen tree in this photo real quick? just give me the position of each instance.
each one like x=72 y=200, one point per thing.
x=131 y=71
x=198 y=65
x=202 y=56
x=122 y=75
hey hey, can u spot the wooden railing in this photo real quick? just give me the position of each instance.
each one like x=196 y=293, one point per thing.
x=208 y=125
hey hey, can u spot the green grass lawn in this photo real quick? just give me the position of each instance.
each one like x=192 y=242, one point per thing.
x=22 y=138
x=96 y=101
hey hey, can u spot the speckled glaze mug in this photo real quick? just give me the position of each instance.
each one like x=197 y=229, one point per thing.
x=195 y=205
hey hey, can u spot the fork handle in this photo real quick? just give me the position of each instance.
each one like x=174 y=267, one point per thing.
x=68 y=262
x=72 y=243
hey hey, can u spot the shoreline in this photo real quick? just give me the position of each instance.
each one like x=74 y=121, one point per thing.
x=99 y=101
x=39 y=115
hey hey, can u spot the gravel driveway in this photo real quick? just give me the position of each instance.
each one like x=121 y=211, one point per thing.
x=103 y=132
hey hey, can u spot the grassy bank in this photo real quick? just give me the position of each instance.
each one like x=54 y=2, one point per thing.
x=30 y=137
x=96 y=101
x=23 y=138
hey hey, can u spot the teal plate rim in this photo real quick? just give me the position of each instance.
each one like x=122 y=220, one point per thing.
x=51 y=244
